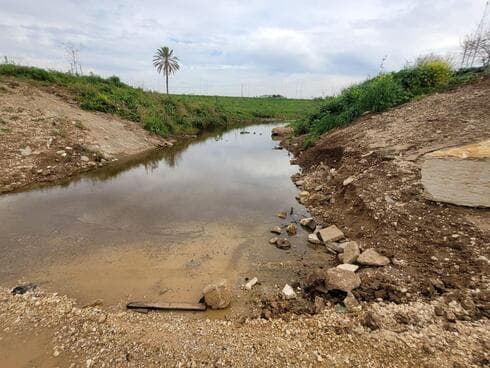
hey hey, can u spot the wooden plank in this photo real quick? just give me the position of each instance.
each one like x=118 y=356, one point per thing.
x=167 y=306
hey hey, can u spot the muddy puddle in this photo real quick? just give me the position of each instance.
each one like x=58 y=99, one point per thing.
x=160 y=228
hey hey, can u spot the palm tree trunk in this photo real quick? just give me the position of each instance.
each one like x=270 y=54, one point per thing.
x=166 y=80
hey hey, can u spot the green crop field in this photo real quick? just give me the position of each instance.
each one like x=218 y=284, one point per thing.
x=160 y=113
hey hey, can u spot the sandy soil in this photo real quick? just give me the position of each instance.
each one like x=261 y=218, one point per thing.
x=45 y=138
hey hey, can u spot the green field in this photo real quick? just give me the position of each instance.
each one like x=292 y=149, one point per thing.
x=157 y=112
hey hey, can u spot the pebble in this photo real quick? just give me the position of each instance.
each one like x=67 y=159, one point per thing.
x=372 y=258
x=288 y=292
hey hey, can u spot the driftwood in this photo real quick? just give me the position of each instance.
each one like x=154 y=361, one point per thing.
x=167 y=306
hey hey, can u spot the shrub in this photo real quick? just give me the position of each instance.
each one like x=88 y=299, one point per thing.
x=425 y=77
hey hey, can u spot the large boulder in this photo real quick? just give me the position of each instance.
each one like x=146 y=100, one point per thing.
x=340 y=279
x=217 y=295
x=372 y=258
x=458 y=175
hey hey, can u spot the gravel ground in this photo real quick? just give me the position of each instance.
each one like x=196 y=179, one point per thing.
x=377 y=335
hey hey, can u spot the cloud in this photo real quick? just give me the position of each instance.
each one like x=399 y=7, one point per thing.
x=296 y=49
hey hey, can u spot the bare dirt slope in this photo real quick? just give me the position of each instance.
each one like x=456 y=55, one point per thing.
x=44 y=137
x=435 y=248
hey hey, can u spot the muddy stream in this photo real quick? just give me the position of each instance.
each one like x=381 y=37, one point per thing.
x=159 y=228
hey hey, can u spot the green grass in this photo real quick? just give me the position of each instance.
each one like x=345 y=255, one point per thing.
x=159 y=113
x=380 y=93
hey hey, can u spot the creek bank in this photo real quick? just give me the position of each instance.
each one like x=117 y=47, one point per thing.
x=382 y=334
x=44 y=138
x=363 y=182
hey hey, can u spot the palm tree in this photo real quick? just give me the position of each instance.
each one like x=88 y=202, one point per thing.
x=166 y=61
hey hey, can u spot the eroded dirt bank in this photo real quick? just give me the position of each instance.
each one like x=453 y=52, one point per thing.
x=435 y=248
x=44 y=137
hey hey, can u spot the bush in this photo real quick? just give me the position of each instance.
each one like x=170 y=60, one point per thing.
x=425 y=77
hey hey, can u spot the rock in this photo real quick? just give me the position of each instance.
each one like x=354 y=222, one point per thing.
x=335 y=247
x=309 y=223
x=281 y=131
x=350 y=302
x=351 y=252
x=288 y=292
x=458 y=175
x=273 y=240
x=313 y=239
x=249 y=285
x=291 y=229
x=339 y=279
x=331 y=234
x=299 y=183
x=218 y=295
x=26 y=151
x=282 y=214
x=84 y=158
x=89 y=363
x=372 y=258
x=348 y=267
x=304 y=194
x=347 y=181
x=276 y=230
x=283 y=243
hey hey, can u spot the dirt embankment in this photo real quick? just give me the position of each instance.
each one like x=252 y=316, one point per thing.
x=44 y=137
x=435 y=249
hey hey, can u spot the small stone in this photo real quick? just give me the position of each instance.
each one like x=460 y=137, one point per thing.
x=313 y=239
x=350 y=302
x=288 y=292
x=26 y=151
x=249 y=285
x=283 y=243
x=300 y=183
x=84 y=158
x=282 y=214
x=331 y=234
x=276 y=230
x=372 y=258
x=450 y=316
x=218 y=295
x=347 y=181
x=351 y=252
x=335 y=247
x=291 y=229
x=273 y=240
x=348 y=267
x=56 y=353
x=339 y=279
x=308 y=223
x=89 y=363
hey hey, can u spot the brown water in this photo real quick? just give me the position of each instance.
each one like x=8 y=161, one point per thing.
x=160 y=228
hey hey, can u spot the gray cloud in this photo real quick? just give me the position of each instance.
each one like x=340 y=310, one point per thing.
x=294 y=48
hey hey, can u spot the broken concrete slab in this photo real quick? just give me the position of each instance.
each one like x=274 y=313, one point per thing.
x=458 y=175
x=331 y=234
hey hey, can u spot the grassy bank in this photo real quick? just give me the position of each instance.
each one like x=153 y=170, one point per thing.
x=157 y=112
x=380 y=93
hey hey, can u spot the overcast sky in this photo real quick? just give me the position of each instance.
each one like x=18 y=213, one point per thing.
x=295 y=48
